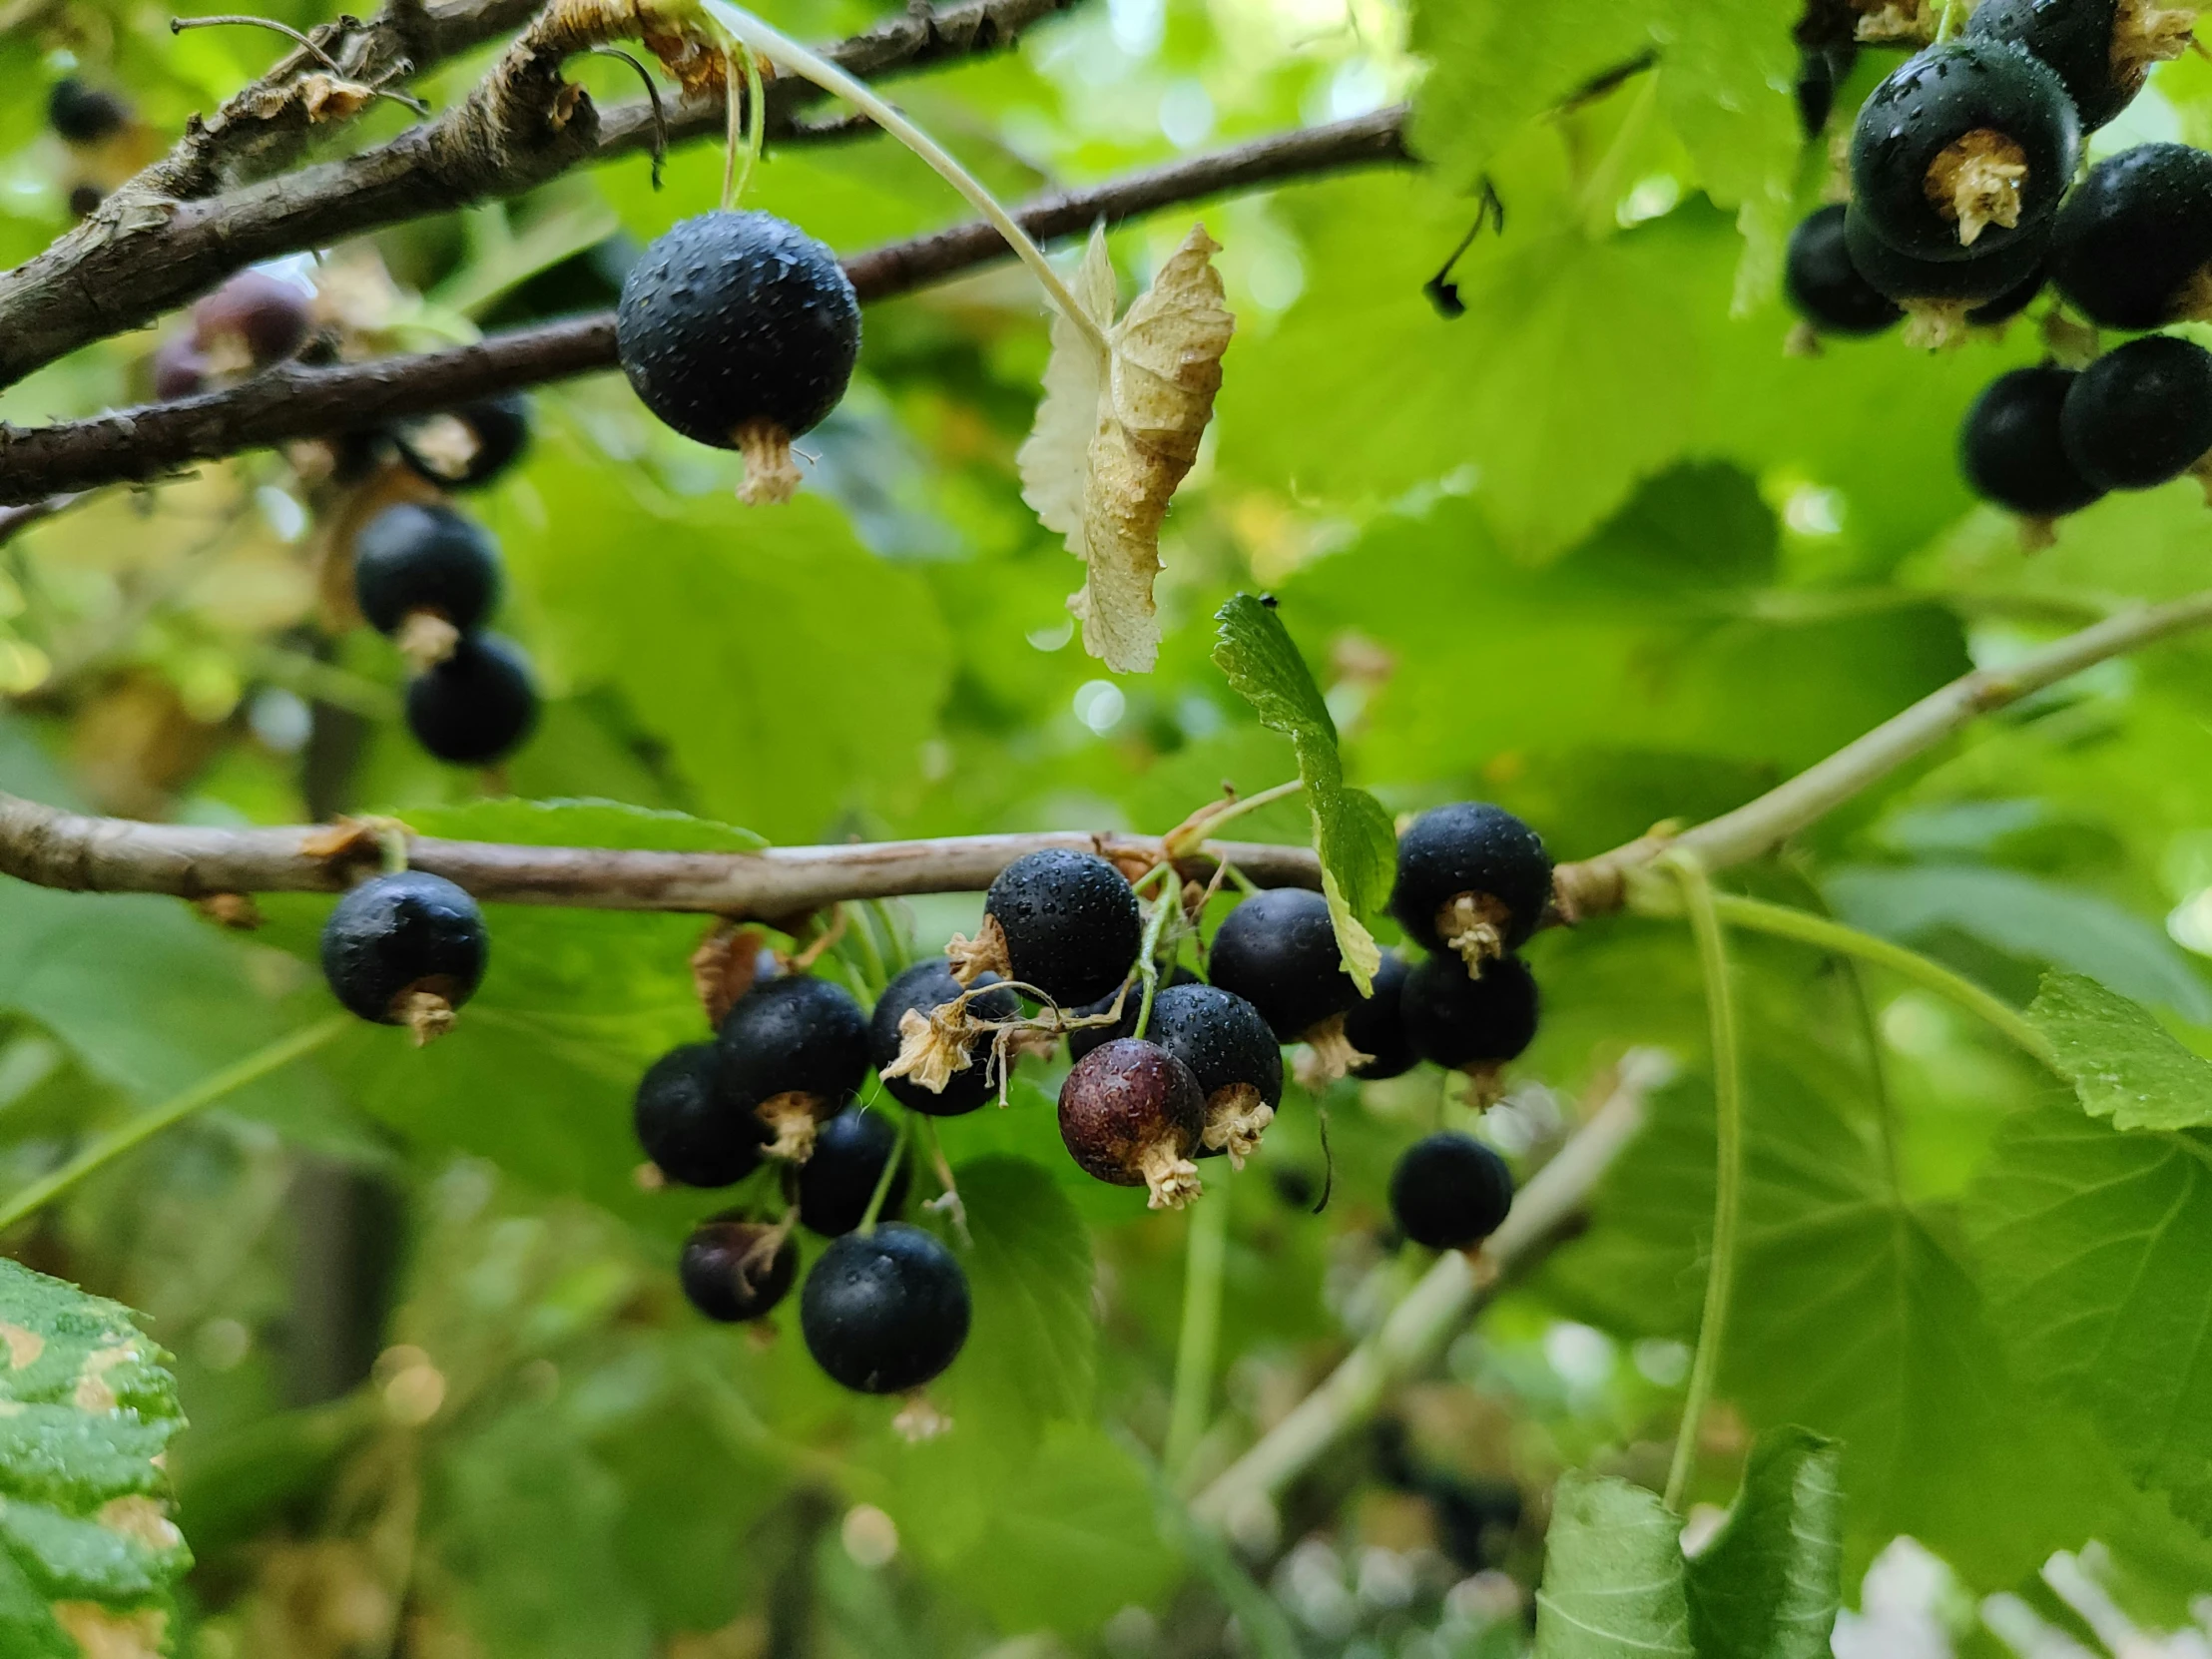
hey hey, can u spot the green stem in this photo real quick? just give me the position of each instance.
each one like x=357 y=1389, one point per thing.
x=1148 y=962
x=883 y=1181
x=1229 y=811
x=863 y=935
x=1728 y=1174
x=1948 y=24
x=127 y=1137
x=1205 y=1250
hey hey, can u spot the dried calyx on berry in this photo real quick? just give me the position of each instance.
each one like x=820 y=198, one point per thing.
x=1825 y=288
x=792 y=1052
x=2141 y=414
x=1944 y=298
x=1472 y=880
x=690 y=1126
x=477 y=706
x=1377 y=1024
x=1469 y=1025
x=838 y=1183
x=931 y=1038
x=1131 y=1114
x=80 y=113
x=2132 y=246
x=1450 y=1191
x=2012 y=453
x=735 y=1268
x=1278 y=950
x=2100 y=50
x=468 y=447
x=740 y=330
x=1130 y=994
x=1232 y=1053
x=885 y=1310
x=424 y=576
x=408 y=948
x=1063 y=923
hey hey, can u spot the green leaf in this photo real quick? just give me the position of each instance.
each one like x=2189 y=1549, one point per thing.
x=1032 y=1349
x=1613 y=1576
x=2122 y=1063
x=611 y=824
x=1351 y=831
x=88 y=1554
x=1768 y=1584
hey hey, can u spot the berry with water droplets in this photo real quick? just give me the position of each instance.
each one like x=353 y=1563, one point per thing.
x=1084 y=1038
x=2100 y=50
x=1450 y=1191
x=735 y=1269
x=1823 y=286
x=1131 y=1114
x=2132 y=246
x=1232 y=1053
x=1278 y=950
x=928 y=1044
x=468 y=447
x=1941 y=298
x=1472 y=880
x=688 y=1125
x=792 y=1051
x=2141 y=414
x=1375 y=1027
x=425 y=575
x=1066 y=922
x=476 y=706
x=1467 y=1024
x=885 y=1310
x=836 y=1183
x=406 y=948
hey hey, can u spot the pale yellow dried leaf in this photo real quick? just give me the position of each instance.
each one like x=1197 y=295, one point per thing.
x=1054 y=458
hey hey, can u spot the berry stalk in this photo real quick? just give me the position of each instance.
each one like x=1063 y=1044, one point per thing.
x=891 y=1171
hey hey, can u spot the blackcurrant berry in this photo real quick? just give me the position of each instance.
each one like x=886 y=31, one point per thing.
x=838 y=1182
x=1231 y=1052
x=792 y=1051
x=740 y=330
x=2010 y=447
x=1084 y=1038
x=469 y=447
x=1941 y=298
x=734 y=1269
x=2141 y=414
x=688 y=1125
x=1450 y=1191
x=1470 y=1024
x=886 y=1311
x=85 y=199
x=1375 y=1027
x=1825 y=288
x=83 y=115
x=2131 y=246
x=426 y=575
x=949 y=1051
x=1278 y=950
x=1063 y=922
x=1822 y=68
x=476 y=706
x=179 y=369
x=1132 y=1114
x=1965 y=147
x=1471 y=878
x=406 y=948
x=252 y=320
x=2100 y=48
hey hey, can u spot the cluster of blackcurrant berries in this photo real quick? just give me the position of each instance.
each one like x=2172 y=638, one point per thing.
x=1963 y=205
x=90 y=119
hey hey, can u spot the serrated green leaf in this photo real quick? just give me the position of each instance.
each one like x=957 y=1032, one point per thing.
x=612 y=824
x=1033 y=1351
x=2122 y=1063
x=1768 y=1584
x=1613 y=1576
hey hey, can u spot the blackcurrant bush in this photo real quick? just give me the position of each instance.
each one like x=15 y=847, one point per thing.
x=1132 y=1114
x=2141 y=414
x=476 y=706
x=1965 y=148
x=836 y=1183
x=734 y=1269
x=1941 y=298
x=1231 y=1052
x=406 y=948
x=1470 y=1024
x=83 y=115
x=2100 y=48
x=1450 y=1191
x=885 y=1310
x=425 y=575
x=1083 y=1038
x=950 y=1067
x=469 y=447
x=252 y=320
x=1064 y=922
x=2010 y=450
x=1375 y=1027
x=740 y=330
x=792 y=1051
x=1825 y=286
x=688 y=1125
x=2132 y=246
x=1471 y=878
x=1278 y=950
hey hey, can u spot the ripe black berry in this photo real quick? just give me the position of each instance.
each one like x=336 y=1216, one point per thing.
x=1064 y=922
x=1231 y=1052
x=688 y=1125
x=1822 y=68
x=1133 y=1115
x=478 y=705
x=405 y=949
x=1825 y=288
x=734 y=1269
x=1278 y=950
x=251 y=321
x=468 y=447
x=1965 y=147
x=885 y=1310
x=2141 y=414
x=1470 y=1024
x=1084 y=1038
x=83 y=115
x=426 y=575
x=1450 y=1191
x=740 y=330
x=836 y=1183
x=792 y=1050
x=1941 y=296
x=1471 y=878
x=949 y=1071
x=2131 y=246
x=2099 y=48
x=2010 y=446
x=1375 y=1027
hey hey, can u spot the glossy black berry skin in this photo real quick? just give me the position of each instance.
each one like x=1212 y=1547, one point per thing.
x=1221 y=1038
x=733 y=317
x=732 y=1270
x=1822 y=68
x=1908 y=279
x=1450 y=1191
x=1936 y=99
x=923 y=987
x=1453 y=1021
x=795 y=1035
x=1825 y=288
x=1085 y=1039
x=836 y=1181
x=500 y=430
x=475 y=707
x=2074 y=38
x=2141 y=414
x=688 y=1124
x=411 y=557
x=82 y=113
x=886 y=1311
x=1377 y=1024
x=400 y=934
x=1278 y=950
x=1473 y=847
x=2134 y=235
x=2012 y=300
x=1072 y=926
x=2010 y=450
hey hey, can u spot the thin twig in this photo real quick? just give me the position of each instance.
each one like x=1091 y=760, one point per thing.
x=652 y=96
x=178 y=25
